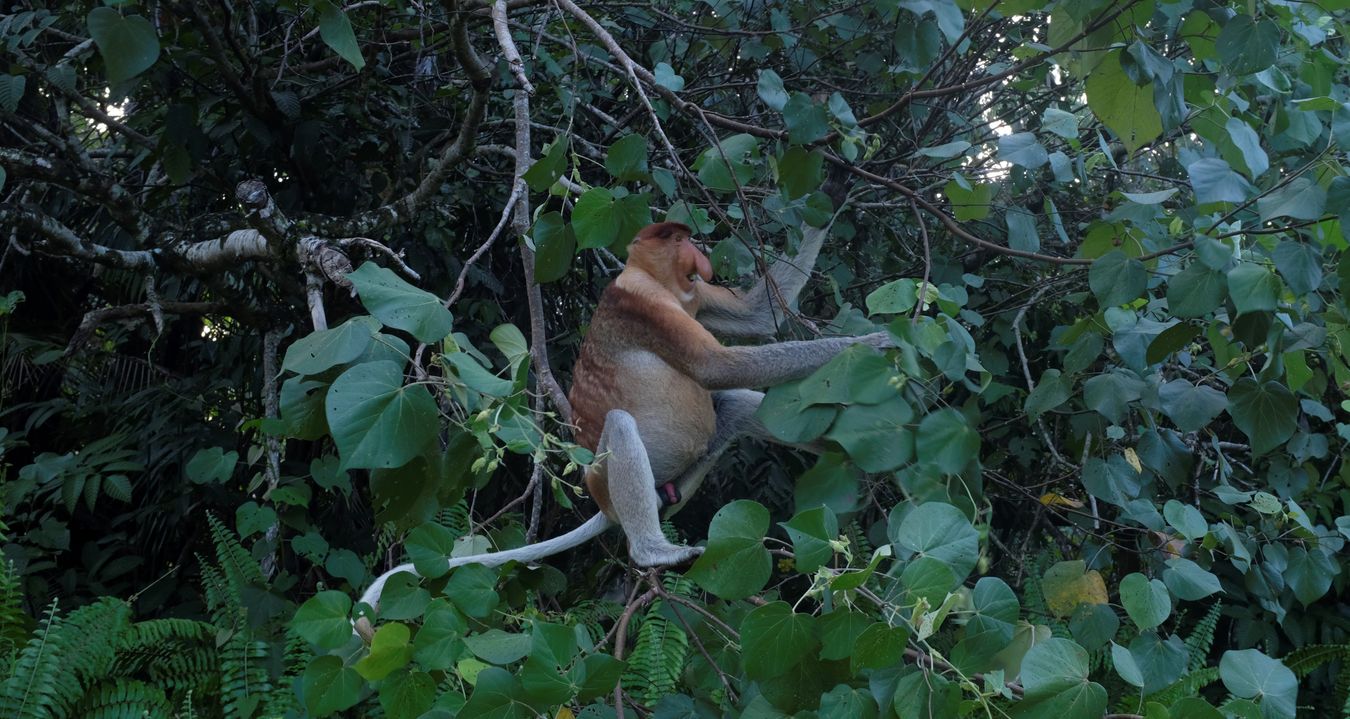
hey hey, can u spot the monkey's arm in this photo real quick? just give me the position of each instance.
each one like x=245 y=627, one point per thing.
x=758 y=311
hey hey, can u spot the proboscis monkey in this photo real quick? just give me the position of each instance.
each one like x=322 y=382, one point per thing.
x=658 y=398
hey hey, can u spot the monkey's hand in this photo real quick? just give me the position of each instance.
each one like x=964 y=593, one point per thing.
x=880 y=340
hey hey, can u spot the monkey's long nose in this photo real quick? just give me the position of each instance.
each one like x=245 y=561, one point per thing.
x=702 y=265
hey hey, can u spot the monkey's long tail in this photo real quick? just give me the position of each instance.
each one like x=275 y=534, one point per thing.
x=590 y=529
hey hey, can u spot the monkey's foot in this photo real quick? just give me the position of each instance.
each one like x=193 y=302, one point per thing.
x=663 y=556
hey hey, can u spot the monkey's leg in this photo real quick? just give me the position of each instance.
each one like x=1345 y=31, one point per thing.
x=632 y=494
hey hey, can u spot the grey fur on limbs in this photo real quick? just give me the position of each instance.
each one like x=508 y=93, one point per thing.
x=632 y=493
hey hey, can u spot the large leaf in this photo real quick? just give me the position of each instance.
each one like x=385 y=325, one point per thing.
x=1116 y=278
x=1265 y=412
x=400 y=305
x=1145 y=600
x=376 y=420
x=774 y=638
x=1191 y=407
x=940 y=531
x=336 y=31
x=1246 y=46
x=1250 y=674
x=735 y=563
x=627 y=158
x=947 y=441
x=1196 y=291
x=876 y=436
x=128 y=44
x=1121 y=105
x=320 y=350
x=330 y=686
x=1214 y=181
x=323 y=619
x=1055 y=679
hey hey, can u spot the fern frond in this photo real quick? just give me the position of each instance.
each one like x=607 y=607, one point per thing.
x=1201 y=639
x=15 y=624
x=1189 y=685
x=1304 y=660
x=243 y=675
x=235 y=562
x=455 y=518
x=125 y=698
x=658 y=657
x=36 y=686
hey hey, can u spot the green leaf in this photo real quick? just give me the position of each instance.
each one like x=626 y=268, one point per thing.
x=549 y=167
x=1022 y=232
x=376 y=421
x=211 y=465
x=407 y=695
x=594 y=220
x=739 y=151
x=839 y=630
x=879 y=646
x=859 y=375
x=428 y=545
x=1214 y=181
x=1196 y=291
x=473 y=589
x=1248 y=145
x=1145 y=600
x=1022 y=149
x=665 y=76
x=389 y=650
x=735 y=564
x=1055 y=682
x=128 y=44
x=1246 y=46
x=497 y=695
x=400 y=305
x=799 y=171
x=1249 y=674
x=1124 y=107
x=770 y=89
x=774 y=638
x=323 y=620
x=251 y=519
x=627 y=158
x=969 y=204
x=1156 y=662
x=301 y=408
x=1059 y=122
x=1093 y=625
x=876 y=436
x=478 y=378
x=1254 y=288
x=894 y=297
x=1300 y=265
x=11 y=92
x=498 y=647
x=1185 y=519
x=1116 y=278
x=806 y=119
x=554 y=247
x=811 y=532
x=947 y=440
x=945 y=151
x=940 y=531
x=1188 y=581
x=324 y=349
x=1310 y=573
x=403 y=597
x=926 y=695
x=1113 y=481
x=336 y=31
x=329 y=686
x=1266 y=413
x=1051 y=392
x=789 y=418
x=440 y=641
x=1190 y=407
x=1173 y=339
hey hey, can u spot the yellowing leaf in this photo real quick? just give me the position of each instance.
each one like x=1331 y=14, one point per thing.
x=1067 y=585
x=1052 y=499
x=1133 y=458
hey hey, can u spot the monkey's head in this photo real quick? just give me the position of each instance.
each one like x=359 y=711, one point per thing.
x=665 y=252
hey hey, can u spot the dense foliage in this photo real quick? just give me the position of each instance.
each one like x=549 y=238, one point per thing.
x=290 y=291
